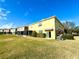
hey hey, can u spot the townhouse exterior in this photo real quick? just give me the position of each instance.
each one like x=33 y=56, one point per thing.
x=50 y=26
x=22 y=30
x=13 y=31
x=6 y=31
x=1 y=31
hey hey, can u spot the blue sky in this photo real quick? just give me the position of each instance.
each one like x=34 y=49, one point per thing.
x=14 y=13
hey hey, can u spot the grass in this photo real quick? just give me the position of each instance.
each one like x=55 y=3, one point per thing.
x=18 y=47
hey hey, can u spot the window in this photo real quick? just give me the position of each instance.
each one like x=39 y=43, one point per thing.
x=40 y=24
x=31 y=27
x=40 y=31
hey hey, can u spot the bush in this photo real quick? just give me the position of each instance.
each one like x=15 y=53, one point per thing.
x=1 y=33
x=38 y=35
x=42 y=35
x=75 y=34
x=68 y=36
x=34 y=34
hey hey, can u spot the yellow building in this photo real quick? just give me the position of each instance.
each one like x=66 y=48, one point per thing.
x=50 y=26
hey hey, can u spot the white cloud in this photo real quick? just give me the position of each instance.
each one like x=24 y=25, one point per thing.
x=30 y=9
x=4 y=13
x=73 y=19
x=18 y=3
x=2 y=0
x=2 y=9
x=8 y=12
x=66 y=20
x=3 y=18
x=7 y=26
x=28 y=12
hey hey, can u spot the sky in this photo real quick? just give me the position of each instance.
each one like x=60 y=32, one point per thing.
x=16 y=13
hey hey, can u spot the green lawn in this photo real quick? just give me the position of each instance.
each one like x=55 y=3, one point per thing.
x=18 y=47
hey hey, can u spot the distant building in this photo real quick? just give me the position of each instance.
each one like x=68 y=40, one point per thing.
x=22 y=30
x=6 y=31
x=51 y=26
x=1 y=31
x=13 y=30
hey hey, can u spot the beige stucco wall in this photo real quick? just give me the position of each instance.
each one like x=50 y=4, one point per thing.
x=47 y=23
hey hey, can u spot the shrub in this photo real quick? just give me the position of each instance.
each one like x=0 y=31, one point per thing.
x=68 y=36
x=38 y=35
x=75 y=34
x=42 y=35
x=1 y=33
x=34 y=34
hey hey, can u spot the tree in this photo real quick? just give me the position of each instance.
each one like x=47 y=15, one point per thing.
x=76 y=30
x=69 y=27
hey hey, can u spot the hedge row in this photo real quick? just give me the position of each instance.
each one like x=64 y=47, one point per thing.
x=43 y=35
x=68 y=36
x=35 y=34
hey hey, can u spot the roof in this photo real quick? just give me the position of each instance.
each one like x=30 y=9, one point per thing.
x=44 y=20
x=59 y=21
x=48 y=19
x=22 y=26
x=38 y=22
